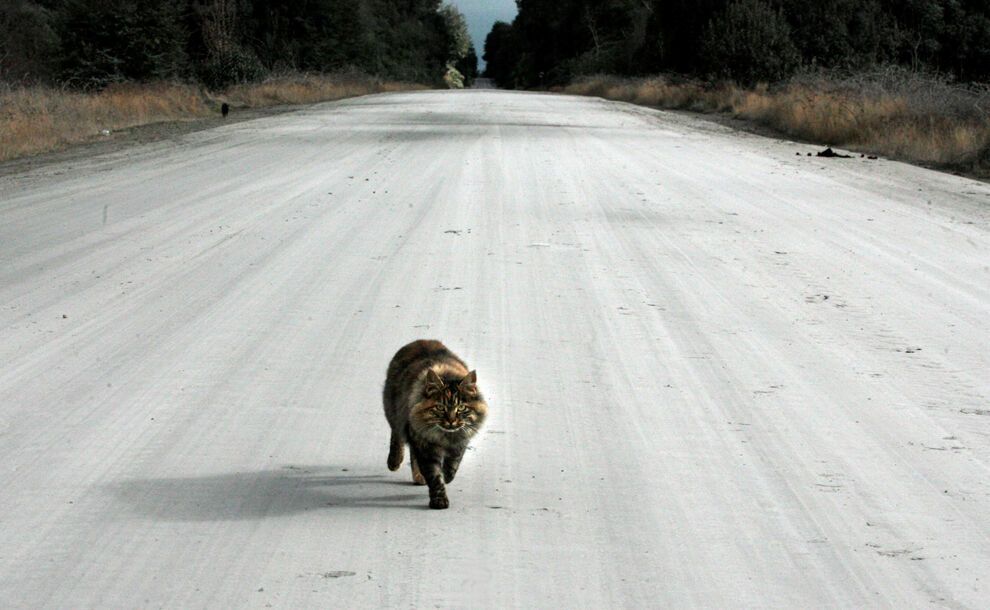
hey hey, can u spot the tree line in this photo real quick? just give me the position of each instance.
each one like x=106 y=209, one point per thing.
x=91 y=43
x=748 y=41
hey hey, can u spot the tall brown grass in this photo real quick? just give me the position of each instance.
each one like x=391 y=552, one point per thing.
x=41 y=119
x=309 y=89
x=893 y=113
x=37 y=119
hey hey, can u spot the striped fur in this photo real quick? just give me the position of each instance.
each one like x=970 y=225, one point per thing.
x=432 y=403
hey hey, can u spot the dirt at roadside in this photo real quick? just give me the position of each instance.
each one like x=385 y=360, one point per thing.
x=142 y=134
x=754 y=127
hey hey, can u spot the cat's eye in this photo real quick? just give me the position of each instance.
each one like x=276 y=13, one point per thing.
x=461 y=409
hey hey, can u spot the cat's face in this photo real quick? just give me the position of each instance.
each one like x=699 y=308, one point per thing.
x=452 y=405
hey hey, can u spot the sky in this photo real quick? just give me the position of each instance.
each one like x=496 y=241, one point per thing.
x=481 y=14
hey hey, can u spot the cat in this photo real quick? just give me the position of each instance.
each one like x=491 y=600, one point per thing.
x=432 y=402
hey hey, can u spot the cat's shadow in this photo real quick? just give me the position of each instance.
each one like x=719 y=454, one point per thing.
x=268 y=493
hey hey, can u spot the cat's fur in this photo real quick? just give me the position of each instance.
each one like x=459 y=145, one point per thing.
x=432 y=403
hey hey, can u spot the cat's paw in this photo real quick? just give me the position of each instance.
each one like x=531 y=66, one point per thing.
x=440 y=502
x=418 y=479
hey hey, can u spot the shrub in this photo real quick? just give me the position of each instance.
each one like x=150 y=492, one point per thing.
x=453 y=78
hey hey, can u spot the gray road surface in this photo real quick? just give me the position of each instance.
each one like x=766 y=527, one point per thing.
x=721 y=374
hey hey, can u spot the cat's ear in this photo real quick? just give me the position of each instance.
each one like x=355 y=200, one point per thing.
x=434 y=384
x=467 y=386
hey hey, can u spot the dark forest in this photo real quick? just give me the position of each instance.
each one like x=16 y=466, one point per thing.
x=92 y=43
x=747 y=41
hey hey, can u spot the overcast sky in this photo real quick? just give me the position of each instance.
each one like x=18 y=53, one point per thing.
x=481 y=14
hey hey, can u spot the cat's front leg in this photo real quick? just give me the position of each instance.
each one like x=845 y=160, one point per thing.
x=451 y=464
x=429 y=466
x=438 y=492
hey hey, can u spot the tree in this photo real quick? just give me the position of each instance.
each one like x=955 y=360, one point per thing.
x=617 y=31
x=749 y=42
x=458 y=45
x=682 y=24
x=104 y=41
x=917 y=26
x=501 y=54
x=27 y=41
x=457 y=30
x=550 y=41
x=227 y=61
x=315 y=35
x=964 y=49
x=837 y=33
x=410 y=39
x=468 y=66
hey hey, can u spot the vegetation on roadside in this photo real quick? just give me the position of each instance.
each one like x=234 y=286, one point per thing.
x=746 y=41
x=73 y=69
x=892 y=112
x=42 y=118
x=892 y=77
x=89 y=44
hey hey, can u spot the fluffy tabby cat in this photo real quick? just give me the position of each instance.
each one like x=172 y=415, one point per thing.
x=432 y=403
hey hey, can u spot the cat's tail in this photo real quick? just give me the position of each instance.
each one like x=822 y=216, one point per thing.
x=396 y=452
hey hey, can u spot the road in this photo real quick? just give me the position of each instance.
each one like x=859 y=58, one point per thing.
x=721 y=373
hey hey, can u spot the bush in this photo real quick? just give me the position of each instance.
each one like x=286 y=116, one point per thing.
x=453 y=78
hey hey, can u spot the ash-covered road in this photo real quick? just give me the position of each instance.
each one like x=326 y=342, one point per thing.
x=720 y=374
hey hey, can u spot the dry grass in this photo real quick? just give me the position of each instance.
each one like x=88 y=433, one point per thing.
x=37 y=119
x=308 y=89
x=891 y=113
x=42 y=119
x=657 y=91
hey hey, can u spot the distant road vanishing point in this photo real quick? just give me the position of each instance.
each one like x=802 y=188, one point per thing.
x=721 y=374
x=483 y=83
